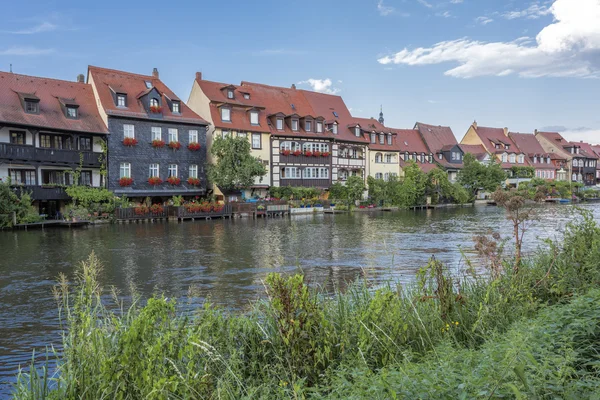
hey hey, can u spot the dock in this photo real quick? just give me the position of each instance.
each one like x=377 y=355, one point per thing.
x=52 y=223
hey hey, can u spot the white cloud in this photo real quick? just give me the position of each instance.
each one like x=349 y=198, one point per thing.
x=321 y=85
x=425 y=3
x=588 y=135
x=445 y=14
x=383 y=9
x=43 y=27
x=483 y=20
x=534 y=11
x=456 y=1
x=25 y=51
x=568 y=47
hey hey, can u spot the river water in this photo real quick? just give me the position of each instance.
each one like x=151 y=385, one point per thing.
x=227 y=260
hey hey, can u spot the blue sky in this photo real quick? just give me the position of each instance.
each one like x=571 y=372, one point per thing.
x=442 y=62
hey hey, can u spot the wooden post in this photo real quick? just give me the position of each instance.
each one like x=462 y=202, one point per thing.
x=14 y=217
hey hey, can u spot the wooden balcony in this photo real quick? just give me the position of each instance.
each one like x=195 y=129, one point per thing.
x=302 y=159
x=28 y=154
x=44 y=192
x=319 y=183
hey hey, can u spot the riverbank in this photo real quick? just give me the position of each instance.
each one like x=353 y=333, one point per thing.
x=423 y=340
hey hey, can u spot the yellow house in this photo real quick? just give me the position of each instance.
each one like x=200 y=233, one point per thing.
x=230 y=109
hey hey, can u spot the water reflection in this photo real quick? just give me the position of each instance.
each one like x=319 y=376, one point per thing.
x=227 y=260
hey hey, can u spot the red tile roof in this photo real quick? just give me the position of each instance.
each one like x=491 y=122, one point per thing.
x=492 y=136
x=476 y=149
x=528 y=144
x=51 y=114
x=409 y=140
x=134 y=85
x=585 y=149
x=436 y=137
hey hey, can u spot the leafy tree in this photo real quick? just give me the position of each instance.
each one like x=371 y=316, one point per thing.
x=413 y=188
x=355 y=187
x=337 y=191
x=21 y=205
x=474 y=175
x=235 y=167
x=86 y=196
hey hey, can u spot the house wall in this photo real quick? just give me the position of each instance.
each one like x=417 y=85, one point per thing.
x=303 y=162
x=383 y=167
x=98 y=103
x=471 y=137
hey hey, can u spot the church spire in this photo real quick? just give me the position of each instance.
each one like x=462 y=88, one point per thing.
x=381 y=115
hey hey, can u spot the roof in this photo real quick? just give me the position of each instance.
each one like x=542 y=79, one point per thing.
x=134 y=85
x=409 y=140
x=51 y=114
x=586 y=149
x=557 y=142
x=436 y=137
x=476 y=149
x=528 y=144
x=492 y=136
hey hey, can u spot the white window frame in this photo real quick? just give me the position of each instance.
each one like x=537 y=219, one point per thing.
x=291 y=173
x=307 y=126
x=129 y=131
x=173 y=171
x=121 y=97
x=295 y=125
x=256 y=136
x=389 y=139
x=156 y=133
x=319 y=127
x=381 y=138
x=504 y=158
x=334 y=129
x=279 y=123
x=225 y=114
x=521 y=158
x=357 y=131
x=512 y=159
x=378 y=158
x=243 y=134
x=125 y=170
x=71 y=112
x=193 y=171
x=388 y=158
x=176 y=107
x=373 y=138
x=229 y=94
x=173 y=135
x=253 y=117
x=193 y=136
x=153 y=170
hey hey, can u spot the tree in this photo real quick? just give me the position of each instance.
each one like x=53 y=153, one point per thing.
x=474 y=175
x=413 y=188
x=337 y=191
x=355 y=187
x=235 y=167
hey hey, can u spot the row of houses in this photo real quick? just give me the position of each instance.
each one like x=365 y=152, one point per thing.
x=133 y=135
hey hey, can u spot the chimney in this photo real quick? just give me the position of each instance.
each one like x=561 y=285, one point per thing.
x=505 y=131
x=155 y=73
x=535 y=131
x=475 y=124
x=80 y=78
x=294 y=86
x=198 y=76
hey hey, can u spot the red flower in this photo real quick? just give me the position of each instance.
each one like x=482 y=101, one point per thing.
x=141 y=210
x=125 y=181
x=308 y=153
x=194 y=146
x=158 y=143
x=297 y=153
x=155 y=109
x=325 y=154
x=173 y=180
x=193 y=181
x=129 y=141
x=317 y=154
x=154 y=180
x=286 y=152
x=175 y=145
x=156 y=209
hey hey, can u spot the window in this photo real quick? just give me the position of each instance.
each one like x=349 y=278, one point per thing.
x=357 y=131
x=176 y=107
x=343 y=175
x=56 y=177
x=535 y=159
x=388 y=158
x=247 y=96
x=72 y=112
x=291 y=146
x=153 y=102
x=173 y=135
x=290 y=173
x=504 y=157
x=454 y=155
x=294 y=125
x=153 y=171
x=279 y=124
x=225 y=114
x=512 y=158
x=381 y=138
x=22 y=176
x=319 y=126
x=354 y=153
x=378 y=175
x=521 y=158
x=156 y=133
x=31 y=107
x=389 y=139
x=17 y=137
x=193 y=136
x=373 y=138
x=225 y=134
x=148 y=84
x=243 y=134
x=85 y=178
x=334 y=129
x=548 y=160
x=128 y=131
x=173 y=170
x=316 y=173
x=307 y=126
x=125 y=170
x=45 y=141
x=378 y=157
x=256 y=144
x=121 y=100
x=230 y=94
x=386 y=176
x=85 y=143
x=193 y=170
x=254 y=117
x=440 y=156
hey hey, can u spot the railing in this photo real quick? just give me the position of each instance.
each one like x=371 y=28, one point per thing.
x=130 y=213
x=302 y=159
x=183 y=212
x=55 y=156
x=320 y=183
x=267 y=206
x=44 y=192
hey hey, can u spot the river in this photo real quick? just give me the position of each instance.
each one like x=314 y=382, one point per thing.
x=227 y=260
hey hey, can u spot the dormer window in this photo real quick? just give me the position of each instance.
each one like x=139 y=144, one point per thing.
x=121 y=100
x=507 y=146
x=307 y=126
x=176 y=107
x=71 y=112
x=497 y=146
x=535 y=159
x=247 y=96
x=225 y=114
x=521 y=159
x=504 y=157
x=334 y=128
x=32 y=106
x=357 y=131
x=389 y=139
x=440 y=156
x=153 y=102
x=295 y=125
x=512 y=158
x=279 y=124
x=254 y=117
x=381 y=138
x=373 y=137
x=229 y=94
x=148 y=84
x=319 y=127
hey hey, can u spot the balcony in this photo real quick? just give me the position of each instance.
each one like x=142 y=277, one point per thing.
x=351 y=161
x=320 y=183
x=24 y=153
x=44 y=192
x=302 y=159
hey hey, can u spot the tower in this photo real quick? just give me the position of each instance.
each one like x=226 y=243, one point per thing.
x=381 y=115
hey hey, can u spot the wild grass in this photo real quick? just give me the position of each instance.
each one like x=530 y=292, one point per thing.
x=516 y=334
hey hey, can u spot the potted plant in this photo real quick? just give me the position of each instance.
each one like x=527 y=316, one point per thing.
x=157 y=143
x=125 y=181
x=129 y=142
x=141 y=210
x=154 y=180
x=175 y=145
x=308 y=153
x=194 y=146
x=193 y=181
x=325 y=154
x=286 y=152
x=155 y=109
x=173 y=180
x=156 y=209
x=297 y=153
x=317 y=154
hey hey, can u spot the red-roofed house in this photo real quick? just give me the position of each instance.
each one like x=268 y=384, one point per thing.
x=442 y=147
x=153 y=134
x=596 y=149
x=538 y=158
x=47 y=128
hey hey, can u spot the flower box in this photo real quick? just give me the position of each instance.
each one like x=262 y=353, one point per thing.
x=297 y=153
x=308 y=153
x=173 y=180
x=154 y=180
x=317 y=154
x=193 y=181
x=156 y=209
x=175 y=145
x=325 y=154
x=158 y=143
x=155 y=109
x=286 y=152
x=141 y=210
x=194 y=146
x=129 y=142
x=125 y=181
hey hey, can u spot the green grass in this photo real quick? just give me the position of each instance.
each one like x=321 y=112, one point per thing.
x=526 y=335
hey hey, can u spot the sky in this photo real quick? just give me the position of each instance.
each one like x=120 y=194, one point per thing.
x=524 y=65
